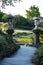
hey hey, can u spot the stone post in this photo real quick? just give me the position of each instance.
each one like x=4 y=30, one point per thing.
x=36 y=36
x=10 y=25
x=10 y=30
x=36 y=31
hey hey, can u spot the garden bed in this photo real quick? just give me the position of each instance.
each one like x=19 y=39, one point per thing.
x=7 y=47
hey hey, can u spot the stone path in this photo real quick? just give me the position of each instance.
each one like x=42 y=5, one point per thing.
x=22 y=57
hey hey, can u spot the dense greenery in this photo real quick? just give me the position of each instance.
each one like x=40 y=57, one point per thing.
x=22 y=23
x=7 y=45
x=3 y=17
x=18 y=21
x=37 y=59
x=41 y=35
x=32 y=12
x=24 y=38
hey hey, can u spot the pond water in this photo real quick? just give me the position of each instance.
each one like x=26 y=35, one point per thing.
x=22 y=57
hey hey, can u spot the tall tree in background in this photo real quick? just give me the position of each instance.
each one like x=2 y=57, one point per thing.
x=20 y=21
x=32 y=12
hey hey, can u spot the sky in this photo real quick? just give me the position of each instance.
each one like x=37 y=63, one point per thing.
x=20 y=8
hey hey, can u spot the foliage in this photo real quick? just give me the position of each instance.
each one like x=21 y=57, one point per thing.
x=1 y=15
x=41 y=34
x=20 y=20
x=22 y=23
x=8 y=2
x=38 y=56
x=32 y=12
x=31 y=23
x=24 y=38
x=7 y=47
x=4 y=18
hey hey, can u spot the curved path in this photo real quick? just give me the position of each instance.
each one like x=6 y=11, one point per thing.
x=22 y=57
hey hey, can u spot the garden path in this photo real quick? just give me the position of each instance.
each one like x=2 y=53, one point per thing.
x=22 y=57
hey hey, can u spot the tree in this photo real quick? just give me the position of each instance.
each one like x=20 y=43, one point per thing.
x=4 y=17
x=1 y=15
x=20 y=21
x=32 y=12
x=8 y=2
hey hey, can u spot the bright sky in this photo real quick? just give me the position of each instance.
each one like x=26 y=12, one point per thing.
x=20 y=8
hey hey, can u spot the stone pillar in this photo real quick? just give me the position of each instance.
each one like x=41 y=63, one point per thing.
x=10 y=29
x=36 y=36
x=10 y=25
x=36 y=30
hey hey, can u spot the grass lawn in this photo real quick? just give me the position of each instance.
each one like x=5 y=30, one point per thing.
x=23 y=37
x=20 y=34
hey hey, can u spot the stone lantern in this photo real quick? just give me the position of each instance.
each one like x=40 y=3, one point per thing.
x=36 y=31
x=10 y=25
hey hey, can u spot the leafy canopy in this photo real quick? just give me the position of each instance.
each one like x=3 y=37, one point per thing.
x=8 y=2
x=3 y=17
x=20 y=20
x=32 y=12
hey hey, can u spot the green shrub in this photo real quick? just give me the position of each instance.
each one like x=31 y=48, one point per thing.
x=7 y=46
x=38 y=56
